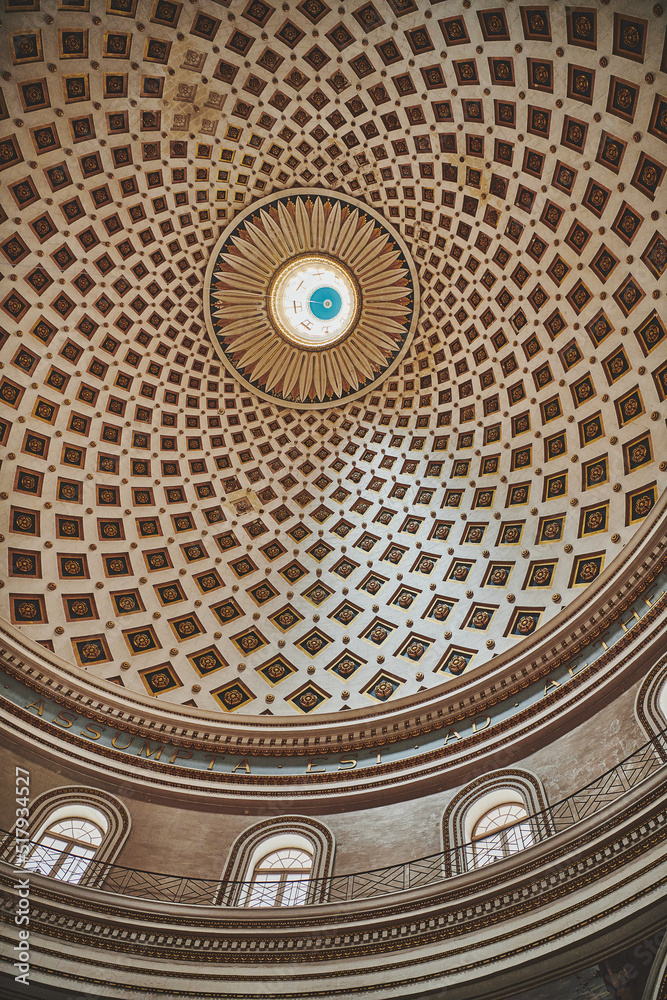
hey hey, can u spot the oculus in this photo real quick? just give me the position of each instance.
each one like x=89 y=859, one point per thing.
x=314 y=302
x=311 y=300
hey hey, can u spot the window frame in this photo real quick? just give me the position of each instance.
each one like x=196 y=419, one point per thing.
x=521 y=825
x=77 y=802
x=261 y=839
x=475 y=800
x=651 y=706
x=68 y=849
x=282 y=879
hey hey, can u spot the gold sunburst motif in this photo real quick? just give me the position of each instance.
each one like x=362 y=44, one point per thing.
x=371 y=282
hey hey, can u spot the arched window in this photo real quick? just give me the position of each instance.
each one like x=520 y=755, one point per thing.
x=501 y=832
x=280 y=878
x=66 y=848
x=651 y=707
x=494 y=817
x=72 y=830
x=280 y=862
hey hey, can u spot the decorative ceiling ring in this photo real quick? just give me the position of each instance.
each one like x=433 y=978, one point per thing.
x=311 y=299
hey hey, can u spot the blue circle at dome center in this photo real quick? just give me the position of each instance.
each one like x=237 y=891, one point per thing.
x=325 y=303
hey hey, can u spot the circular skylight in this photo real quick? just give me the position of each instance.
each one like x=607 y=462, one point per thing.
x=313 y=301
x=312 y=298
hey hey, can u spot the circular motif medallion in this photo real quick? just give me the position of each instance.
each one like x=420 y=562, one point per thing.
x=311 y=299
x=314 y=301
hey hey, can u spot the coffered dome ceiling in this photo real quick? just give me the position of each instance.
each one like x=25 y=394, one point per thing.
x=177 y=523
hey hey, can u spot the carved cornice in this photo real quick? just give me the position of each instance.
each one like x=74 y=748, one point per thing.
x=555 y=861
x=537 y=898
x=579 y=696
x=400 y=777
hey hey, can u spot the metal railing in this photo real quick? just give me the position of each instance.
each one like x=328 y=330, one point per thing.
x=581 y=805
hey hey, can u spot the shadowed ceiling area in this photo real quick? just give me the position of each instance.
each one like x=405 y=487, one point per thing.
x=170 y=530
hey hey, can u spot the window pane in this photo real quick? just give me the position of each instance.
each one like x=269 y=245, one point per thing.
x=519 y=836
x=74 y=866
x=65 y=850
x=78 y=829
x=287 y=858
x=263 y=891
x=280 y=878
x=500 y=833
x=487 y=850
x=498 y=817
x=295 y=891
x=45 y=856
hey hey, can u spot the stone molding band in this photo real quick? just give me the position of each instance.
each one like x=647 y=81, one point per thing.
x=499 y=680
x=541 y=899
x=548 y=822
